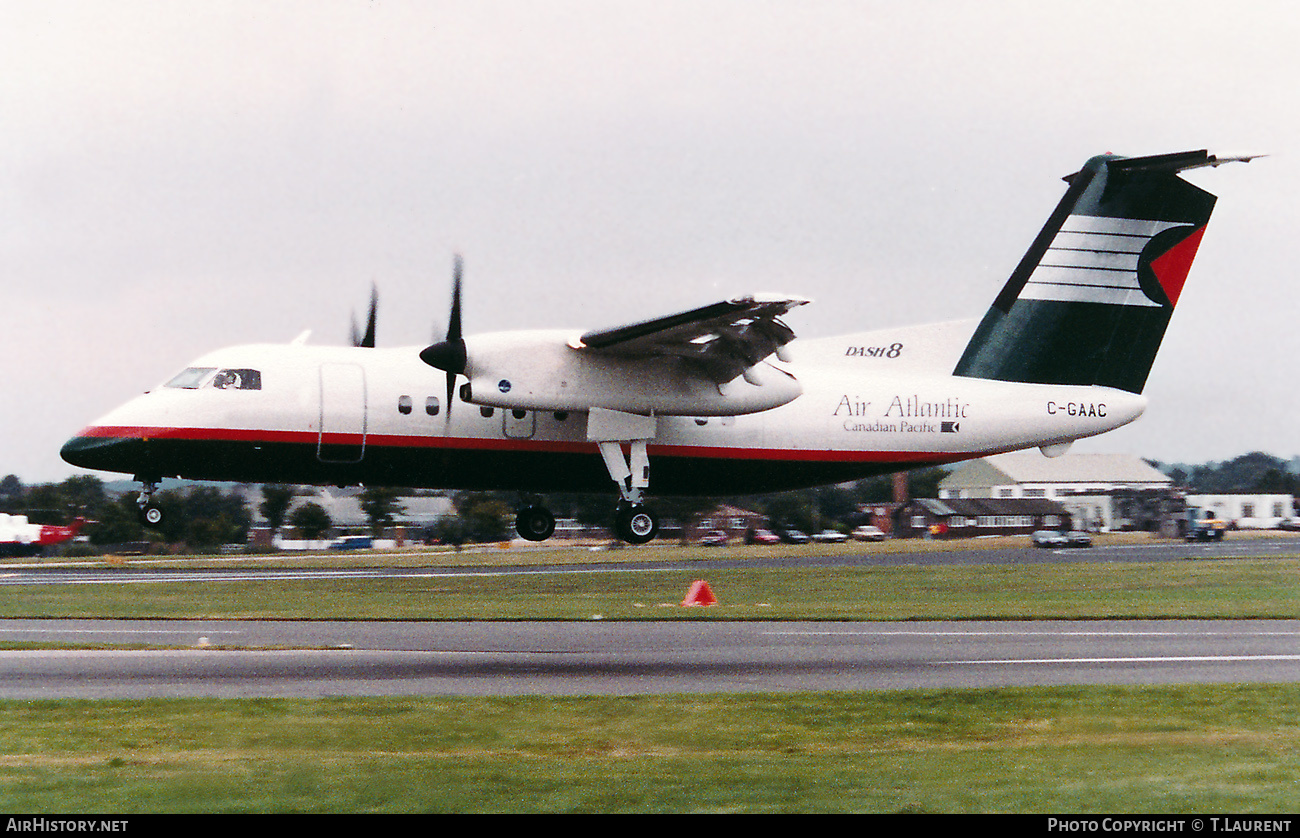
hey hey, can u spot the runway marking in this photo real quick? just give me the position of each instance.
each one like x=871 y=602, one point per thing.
x=1172 y=659
x=153 y=577
x=1005 y=633
x=119 y=631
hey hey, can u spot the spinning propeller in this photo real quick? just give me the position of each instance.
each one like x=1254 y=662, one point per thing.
x=449 y=354
x=368 y=340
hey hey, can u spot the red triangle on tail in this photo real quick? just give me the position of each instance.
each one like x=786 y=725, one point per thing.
x=1171 y=267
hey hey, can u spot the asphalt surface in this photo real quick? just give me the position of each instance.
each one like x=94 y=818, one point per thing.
x=579 y=658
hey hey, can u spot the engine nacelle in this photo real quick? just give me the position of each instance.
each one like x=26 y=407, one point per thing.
x=541 y=371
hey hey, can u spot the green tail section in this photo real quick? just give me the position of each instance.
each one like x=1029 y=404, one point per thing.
x=1090 y=301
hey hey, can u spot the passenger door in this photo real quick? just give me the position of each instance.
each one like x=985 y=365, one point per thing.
x=342 y=436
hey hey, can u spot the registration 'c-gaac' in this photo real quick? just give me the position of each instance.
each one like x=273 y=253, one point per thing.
x=717 y=400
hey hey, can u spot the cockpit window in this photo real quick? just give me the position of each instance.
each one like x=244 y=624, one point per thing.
x=196 y=377
x=238 y=380
x=192 y=378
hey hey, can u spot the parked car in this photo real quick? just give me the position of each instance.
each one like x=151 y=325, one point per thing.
x=830 y=537
x=766 y=537
x=1049 y=538
x=1077 y=538
x=352 y=542
x=867 y=532
x=714 y=538
x=794 y=537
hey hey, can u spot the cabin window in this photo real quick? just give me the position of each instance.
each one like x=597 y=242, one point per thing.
x=192 y=378
x=485 y=412
x=431 y=406
x=561 y=415
x=238 y=380
x=404 y=405
x=518 y=414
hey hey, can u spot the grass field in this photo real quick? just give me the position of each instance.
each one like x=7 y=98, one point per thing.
x=1187 y=749
x=1212 y=749
x=1193 y=588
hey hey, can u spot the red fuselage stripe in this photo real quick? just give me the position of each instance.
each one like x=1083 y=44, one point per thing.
x=468 y=443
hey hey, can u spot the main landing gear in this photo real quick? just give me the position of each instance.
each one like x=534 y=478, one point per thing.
x=534 y=522
x=610 y=430
x=633 y=522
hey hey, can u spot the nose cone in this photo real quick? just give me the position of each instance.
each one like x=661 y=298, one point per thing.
x=95 y=449
x=447 y=355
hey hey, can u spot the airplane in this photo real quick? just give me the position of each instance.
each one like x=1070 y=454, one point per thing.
x=721 y=399
x=20 y=538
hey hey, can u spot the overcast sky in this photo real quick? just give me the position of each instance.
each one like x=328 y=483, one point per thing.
x=179 y=176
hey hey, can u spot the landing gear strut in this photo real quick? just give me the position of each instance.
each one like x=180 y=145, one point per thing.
x=610 y=430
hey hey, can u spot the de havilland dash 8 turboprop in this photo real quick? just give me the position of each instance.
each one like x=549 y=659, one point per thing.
x=717 y=400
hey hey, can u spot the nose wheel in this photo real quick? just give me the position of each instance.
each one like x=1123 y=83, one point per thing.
x=150 y=514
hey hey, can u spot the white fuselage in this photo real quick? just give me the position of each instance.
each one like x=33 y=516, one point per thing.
x=870 y=403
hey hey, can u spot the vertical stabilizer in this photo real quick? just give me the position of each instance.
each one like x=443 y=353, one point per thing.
x=1089 y=302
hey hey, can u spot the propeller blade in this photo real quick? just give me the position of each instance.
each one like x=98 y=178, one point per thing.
x=368 y=340
x=449 y=354
x=453 y=322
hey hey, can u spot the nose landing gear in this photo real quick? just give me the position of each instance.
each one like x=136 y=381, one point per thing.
x=150 y=514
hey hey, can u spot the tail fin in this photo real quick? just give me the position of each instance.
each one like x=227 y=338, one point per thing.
x=1090 y=300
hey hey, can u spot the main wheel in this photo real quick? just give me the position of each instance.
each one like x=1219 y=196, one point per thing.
x=635 y=524
x=534 y=523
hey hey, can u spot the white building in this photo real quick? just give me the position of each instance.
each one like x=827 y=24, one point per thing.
x=1248 y=512
x=1028 y=474
x=1101 y=492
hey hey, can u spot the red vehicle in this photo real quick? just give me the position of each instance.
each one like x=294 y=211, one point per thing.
x=19 y=538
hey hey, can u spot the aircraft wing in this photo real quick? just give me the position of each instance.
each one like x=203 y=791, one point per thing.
x=721 y=340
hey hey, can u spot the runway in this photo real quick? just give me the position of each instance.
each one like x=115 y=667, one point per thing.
x=316 y=659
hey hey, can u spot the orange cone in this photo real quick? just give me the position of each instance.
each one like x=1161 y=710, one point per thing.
x=699 y=594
